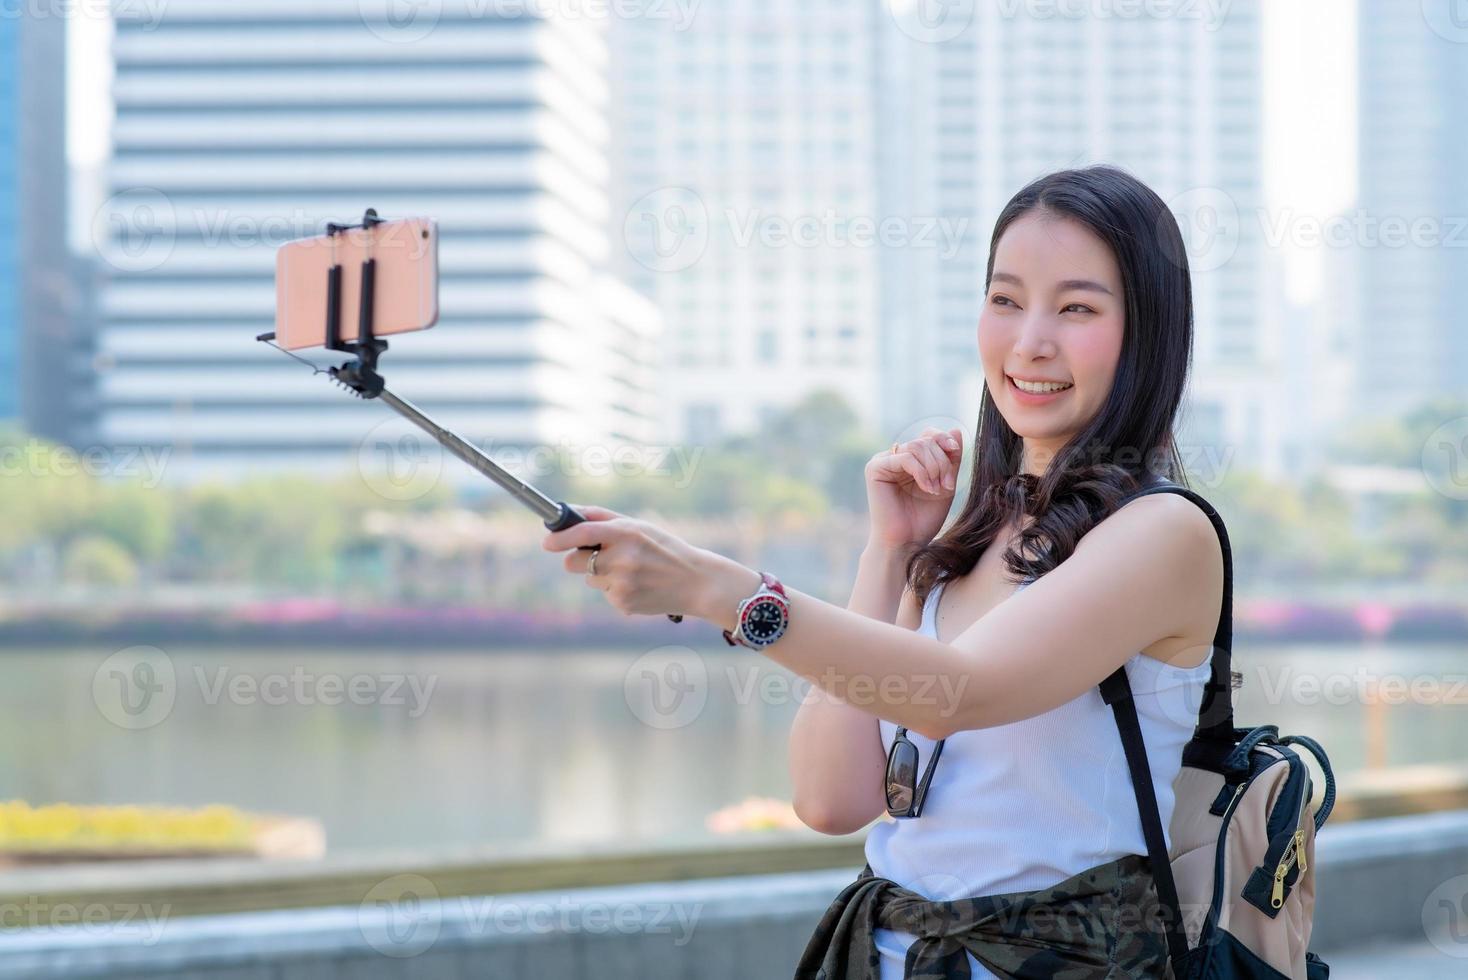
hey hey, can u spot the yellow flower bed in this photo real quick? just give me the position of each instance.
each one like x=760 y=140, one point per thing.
x=64 y=827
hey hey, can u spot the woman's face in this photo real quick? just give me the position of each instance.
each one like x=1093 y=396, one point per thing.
x=1054 y=312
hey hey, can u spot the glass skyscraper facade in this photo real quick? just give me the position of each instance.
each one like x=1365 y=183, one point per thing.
x=9 y=218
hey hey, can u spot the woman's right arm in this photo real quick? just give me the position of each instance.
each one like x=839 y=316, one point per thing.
x=837 y=761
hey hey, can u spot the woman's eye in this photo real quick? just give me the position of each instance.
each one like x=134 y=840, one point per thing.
x=1002 y=299
x=1079 y=306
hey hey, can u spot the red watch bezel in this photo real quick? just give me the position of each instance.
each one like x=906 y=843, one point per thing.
x=767 y=581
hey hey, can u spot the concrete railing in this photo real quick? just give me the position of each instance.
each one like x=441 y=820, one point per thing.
x=1373 y=879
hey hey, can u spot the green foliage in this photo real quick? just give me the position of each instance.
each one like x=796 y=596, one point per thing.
x=313 y=536
x=93 y=560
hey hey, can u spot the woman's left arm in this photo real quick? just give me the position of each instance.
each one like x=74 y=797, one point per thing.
x=1140 y=575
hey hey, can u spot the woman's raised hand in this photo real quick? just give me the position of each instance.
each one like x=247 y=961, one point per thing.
x=910 y=491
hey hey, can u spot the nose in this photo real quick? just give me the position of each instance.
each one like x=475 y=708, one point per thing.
x=1036 y=336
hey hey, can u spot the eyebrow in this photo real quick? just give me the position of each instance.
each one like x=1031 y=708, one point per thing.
x=1085 y=284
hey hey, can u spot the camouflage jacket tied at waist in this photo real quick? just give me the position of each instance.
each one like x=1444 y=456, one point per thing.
x=1103 y=922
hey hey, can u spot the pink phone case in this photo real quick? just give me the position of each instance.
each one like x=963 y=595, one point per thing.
x=405 y=297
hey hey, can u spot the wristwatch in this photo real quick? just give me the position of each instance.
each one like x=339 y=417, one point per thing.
x=763 y=616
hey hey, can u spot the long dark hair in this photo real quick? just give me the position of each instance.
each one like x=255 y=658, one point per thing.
x=1130 y=440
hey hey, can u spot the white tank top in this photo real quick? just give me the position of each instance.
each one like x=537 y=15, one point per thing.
x=1026 y=805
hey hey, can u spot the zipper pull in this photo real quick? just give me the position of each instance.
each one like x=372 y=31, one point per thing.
x=1300 y=849
x=1287 y=860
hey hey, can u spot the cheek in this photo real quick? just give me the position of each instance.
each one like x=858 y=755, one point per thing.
x=1093 y=354
x=994 y=345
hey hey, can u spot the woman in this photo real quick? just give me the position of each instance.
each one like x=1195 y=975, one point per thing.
x=1086 y=291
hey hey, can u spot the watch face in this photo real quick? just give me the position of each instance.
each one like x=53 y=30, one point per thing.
x=764 y=620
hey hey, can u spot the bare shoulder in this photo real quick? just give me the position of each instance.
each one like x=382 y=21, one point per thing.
x=1178 y=538
x=1167 y=515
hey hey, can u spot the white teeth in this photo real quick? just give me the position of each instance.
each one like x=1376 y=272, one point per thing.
x=1039 y=388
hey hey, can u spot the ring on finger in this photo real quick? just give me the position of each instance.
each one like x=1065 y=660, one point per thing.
x=591 y=562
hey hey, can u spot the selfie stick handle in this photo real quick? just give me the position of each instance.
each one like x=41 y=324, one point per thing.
x=361 y=377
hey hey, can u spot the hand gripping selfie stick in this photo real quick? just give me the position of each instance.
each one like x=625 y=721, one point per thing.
x=360 y=376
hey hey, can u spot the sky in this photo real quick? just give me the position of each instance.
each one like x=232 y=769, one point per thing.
x=1309 y=117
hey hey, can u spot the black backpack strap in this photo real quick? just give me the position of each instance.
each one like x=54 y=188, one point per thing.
x=1117 y=692
x=1215 y=720
x=1216 y=713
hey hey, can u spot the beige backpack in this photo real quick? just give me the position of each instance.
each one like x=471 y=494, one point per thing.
x=1237 y=889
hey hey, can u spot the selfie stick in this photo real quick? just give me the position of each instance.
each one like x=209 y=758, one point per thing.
x=360 y=377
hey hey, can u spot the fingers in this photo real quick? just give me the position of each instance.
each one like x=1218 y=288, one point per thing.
x=599 y=527
x=913 y=462
x=935 y=459
x=594 y=513
x=932 y=460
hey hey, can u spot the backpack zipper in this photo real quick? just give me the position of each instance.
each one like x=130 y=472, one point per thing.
x=1295 y=851
x=1228 y=814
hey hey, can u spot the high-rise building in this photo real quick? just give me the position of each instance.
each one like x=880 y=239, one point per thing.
x=926 y=117
x=745 y=202
x=1412 y=207
x=10 y=250
x=985 y=98
x=37 y=295
x=242 y=126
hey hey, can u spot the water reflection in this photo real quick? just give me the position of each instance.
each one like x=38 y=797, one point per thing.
x=461 y=748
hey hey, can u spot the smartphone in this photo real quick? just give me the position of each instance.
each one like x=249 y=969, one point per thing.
x=405 y=292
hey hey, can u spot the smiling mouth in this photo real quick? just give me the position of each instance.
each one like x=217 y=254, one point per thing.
x=1038 y=388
